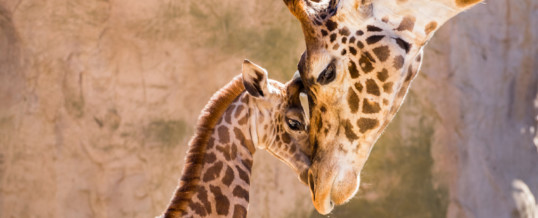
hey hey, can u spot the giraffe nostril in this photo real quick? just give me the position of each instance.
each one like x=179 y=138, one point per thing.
x=311 y=184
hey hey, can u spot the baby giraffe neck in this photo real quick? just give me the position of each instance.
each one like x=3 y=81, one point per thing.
x=225 y=177
x=221 y=188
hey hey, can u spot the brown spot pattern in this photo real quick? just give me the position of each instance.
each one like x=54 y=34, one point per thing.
x=240 y=192
x=234 y=151
x=210 y=157
x=366 y=124
x=358 y=86
x=409 y=73
x=243 y=175
x=360 y=44
x=385 y=19
x=286 y=138
x=353 y=100
x=210 y=143
x=398 y=62
x=353 y=72
x=403 y=44
x=382 y=53
x=431 y=26
x=222 y=202
x=213 y=172
x=353 y=51
x=243 y=120
x=408 y=23
x=370 y=107
x=336 y=46
x=228 y=176
x=374 y=39
x=202 y=195
x=247 y=163
x=197 y=208
x=333 y=37
x=365 y=64
x=372 y=88
x=228 y=114
x=239 y=135
x=348 y=130
x=371 y=28
x=238 y=111
x=239 y=211
x=331 y=25
x=383 y=75
x=224 y=136
x=344 y=31
x=387 y=87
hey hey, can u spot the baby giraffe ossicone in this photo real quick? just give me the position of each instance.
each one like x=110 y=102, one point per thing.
x=250 y=112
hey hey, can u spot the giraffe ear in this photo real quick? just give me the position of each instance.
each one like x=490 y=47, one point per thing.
x=254 y=79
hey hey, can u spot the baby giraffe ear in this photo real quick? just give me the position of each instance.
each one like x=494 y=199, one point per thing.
x=254 y=79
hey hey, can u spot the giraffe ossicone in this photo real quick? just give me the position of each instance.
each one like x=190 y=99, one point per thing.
x=360 y=58
x=250 y=112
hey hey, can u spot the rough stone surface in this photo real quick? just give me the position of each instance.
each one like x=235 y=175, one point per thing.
x=99 y=98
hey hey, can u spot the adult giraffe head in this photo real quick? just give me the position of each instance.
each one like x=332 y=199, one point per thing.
x=360 y=58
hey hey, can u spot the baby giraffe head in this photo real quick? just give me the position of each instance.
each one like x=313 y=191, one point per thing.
x=279 y=122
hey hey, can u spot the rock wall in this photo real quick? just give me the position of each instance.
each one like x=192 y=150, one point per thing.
x=98 y=100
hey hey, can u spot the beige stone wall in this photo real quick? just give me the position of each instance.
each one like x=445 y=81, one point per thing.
x=99 y=98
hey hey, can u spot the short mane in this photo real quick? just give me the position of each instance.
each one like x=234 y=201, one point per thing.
x=207 y=120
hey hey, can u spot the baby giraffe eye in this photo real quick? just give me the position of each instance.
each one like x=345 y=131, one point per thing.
x=294 y=124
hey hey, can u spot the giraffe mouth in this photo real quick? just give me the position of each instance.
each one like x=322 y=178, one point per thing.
x=332 y=186
x=321 y=195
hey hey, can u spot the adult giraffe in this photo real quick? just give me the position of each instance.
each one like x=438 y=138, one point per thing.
x=361 y=56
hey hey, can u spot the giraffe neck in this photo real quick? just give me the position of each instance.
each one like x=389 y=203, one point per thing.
x=216 y=178
x=226 y=168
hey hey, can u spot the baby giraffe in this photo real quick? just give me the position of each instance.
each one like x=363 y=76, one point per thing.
x=249 y=112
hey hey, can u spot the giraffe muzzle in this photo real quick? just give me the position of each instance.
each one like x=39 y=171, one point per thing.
x=331 y=184
x=321 y=198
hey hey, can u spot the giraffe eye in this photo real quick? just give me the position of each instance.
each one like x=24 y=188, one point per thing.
x=327 y=75
x=294 y=124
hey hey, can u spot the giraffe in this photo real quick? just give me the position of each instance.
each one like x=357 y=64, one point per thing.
x=250 y=112
x=361 y=56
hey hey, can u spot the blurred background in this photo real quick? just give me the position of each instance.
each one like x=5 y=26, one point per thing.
x=99 y=98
